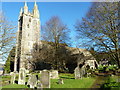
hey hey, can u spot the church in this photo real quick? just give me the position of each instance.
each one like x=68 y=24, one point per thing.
x=28 y=34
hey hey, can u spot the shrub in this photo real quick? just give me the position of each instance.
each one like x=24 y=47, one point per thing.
x=112 y=67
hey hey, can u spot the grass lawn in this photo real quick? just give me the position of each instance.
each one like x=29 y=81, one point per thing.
x=69 y=82
x=15 y=86
x=72 y=83
x=111 y=82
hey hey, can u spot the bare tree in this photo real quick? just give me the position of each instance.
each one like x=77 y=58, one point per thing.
x=6 y=36
x=56 y=32
x=100 y=28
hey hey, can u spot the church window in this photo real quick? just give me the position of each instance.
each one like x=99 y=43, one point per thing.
x=28 y=25
x=30 y=20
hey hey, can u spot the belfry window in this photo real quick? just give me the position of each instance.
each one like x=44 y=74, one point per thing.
x=30 y=20
x=28 y=26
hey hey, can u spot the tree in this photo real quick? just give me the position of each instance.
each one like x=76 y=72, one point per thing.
x=43 y=57
x=6 y=36
x=55 y=31
x=100 y=28
x=9 y=65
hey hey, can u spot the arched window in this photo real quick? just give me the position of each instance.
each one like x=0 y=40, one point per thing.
x=30 y=20
x=28 y=25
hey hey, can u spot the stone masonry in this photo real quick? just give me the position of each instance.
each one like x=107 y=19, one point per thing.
x=28 y=34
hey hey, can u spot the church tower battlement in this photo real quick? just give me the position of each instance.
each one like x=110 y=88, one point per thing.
x=27 y=35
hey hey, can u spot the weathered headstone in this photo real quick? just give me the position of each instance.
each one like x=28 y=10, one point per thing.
x=118 y=80
x=45 y=79
x=27 y=71
x=54 y=74
x=77 y=73
x=22 y=76
x=60 y=81
x=13 y=76
x=32 y=81
x=39 y=85
x=28 y=82
x=82 y=71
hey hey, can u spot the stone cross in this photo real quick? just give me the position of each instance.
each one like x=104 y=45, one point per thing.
x=22 y=76
x=45 y=79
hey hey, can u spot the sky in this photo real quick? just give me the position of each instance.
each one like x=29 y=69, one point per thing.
x=69 y=12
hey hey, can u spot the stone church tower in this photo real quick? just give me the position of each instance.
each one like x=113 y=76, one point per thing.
x=28 y=34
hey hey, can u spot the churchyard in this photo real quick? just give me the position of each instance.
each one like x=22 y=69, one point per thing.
x=53 y=79
x=51 y=57
x=68 y=82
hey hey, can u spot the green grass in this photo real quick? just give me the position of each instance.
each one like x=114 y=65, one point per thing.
x=73 y=83
x=68 y=79
x=111 y=82
x=15 y=86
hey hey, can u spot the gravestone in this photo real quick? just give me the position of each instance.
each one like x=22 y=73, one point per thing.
x=60 y=81
x=27 y=71
x=39 y=85
x=118 y=80
x=77 y=73
x=13 y=76
x=32 y=81
x=22 y=76
x=28 y=82
x=82 y=71
x=54 y=74
x=45 y=79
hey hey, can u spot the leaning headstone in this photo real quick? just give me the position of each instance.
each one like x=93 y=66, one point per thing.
x=22 y=76
x=82 y=71
x=118 y=80
x=45 y=79
x=13 y=76
x=54 y=74
x=32 y=81
x=77 y=73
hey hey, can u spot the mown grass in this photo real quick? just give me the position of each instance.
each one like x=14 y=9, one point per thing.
x=15 y=86
x=72 y=83
x=112 y=82
x=68 y=79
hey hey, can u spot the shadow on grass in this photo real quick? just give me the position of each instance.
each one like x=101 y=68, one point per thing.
x=16 y=81
x=110 y=85
x=66 y=77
